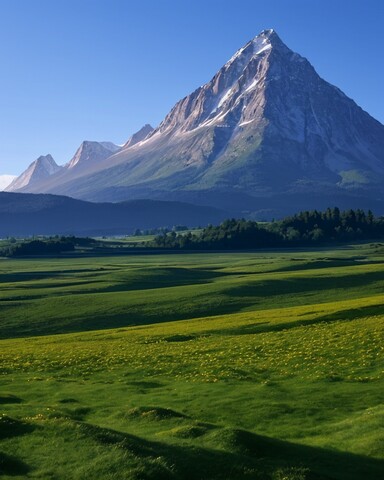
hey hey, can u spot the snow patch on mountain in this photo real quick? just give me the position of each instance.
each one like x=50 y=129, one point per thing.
x=265 y=125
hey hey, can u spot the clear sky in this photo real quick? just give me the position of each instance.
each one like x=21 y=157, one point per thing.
x=74 y=70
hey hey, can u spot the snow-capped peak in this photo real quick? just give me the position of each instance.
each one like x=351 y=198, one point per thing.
x=267 y=33
x=259 y=44
x=224 y=100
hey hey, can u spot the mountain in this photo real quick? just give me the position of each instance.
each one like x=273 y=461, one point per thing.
x=90 y=153
x=5 y=180
x=110 y=146
x=24 y=214
x=139 y=136
x=264 y=135
x=39 y=170
x=86 y=157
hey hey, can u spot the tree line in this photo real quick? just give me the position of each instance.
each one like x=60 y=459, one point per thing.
x=46 y=246
x=303 y=229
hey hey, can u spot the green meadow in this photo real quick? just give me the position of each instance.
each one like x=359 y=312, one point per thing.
x=253 y=365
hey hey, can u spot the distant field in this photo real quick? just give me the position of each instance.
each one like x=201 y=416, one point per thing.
x=263 y=365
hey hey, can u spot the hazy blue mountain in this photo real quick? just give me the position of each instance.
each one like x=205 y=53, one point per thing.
x=23 y=214
x=91 y=153
x=38 y=171
x=44 y=174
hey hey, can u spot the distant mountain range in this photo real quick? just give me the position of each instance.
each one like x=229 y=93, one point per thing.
x=39 y=170
x=45 y=214
x=45 y=168
x=265 y=137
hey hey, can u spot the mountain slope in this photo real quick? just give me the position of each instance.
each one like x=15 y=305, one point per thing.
x=87 y=156
x=266 y=127
x=90 y=153
x=139 y=136
x=23 y=214
x=39 y=170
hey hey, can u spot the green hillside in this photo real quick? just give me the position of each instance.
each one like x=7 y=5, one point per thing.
x=261 y=365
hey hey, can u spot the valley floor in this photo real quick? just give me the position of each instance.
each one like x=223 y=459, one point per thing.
x=263 y=365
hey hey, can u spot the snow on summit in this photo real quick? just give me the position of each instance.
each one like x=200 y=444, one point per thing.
x=266 y=126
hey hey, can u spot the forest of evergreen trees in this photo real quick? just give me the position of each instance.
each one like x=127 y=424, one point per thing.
x=303 y=229
x=309 y=228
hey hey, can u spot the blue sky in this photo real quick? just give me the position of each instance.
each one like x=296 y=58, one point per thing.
x=74 y=70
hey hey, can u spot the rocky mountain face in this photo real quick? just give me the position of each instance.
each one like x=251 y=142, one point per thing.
x=265 y=134
x=139 y=136
x=38 y=171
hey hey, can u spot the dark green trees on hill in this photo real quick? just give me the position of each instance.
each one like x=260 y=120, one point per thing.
x=46 y=246
x=304 y=228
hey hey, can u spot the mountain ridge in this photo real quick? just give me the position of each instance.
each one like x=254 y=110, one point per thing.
x=40 y=169
x=266 y=125
x=26 y=214
x=88 y=154
x=139 y=136
x=91 y=152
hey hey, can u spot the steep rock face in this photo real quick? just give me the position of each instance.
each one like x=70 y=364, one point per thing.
x=317 y=129
x=39 y=170
x=139 y=136
x=232 y=97
x=265 y=127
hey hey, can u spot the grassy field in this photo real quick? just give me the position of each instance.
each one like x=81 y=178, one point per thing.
x=263 y=365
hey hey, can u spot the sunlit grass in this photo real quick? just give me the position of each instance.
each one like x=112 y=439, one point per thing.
x=282 y=377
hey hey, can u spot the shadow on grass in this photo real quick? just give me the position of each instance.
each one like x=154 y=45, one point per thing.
x=299 y=286
x=123 y=281
x=12 y=466
x=239 y=454
x=7 y=398
x=155 y=278
x=353 y=313
x=266 y=294
x=328 y=263
x=29 y=276
x=265 y=327
x=10 y=427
